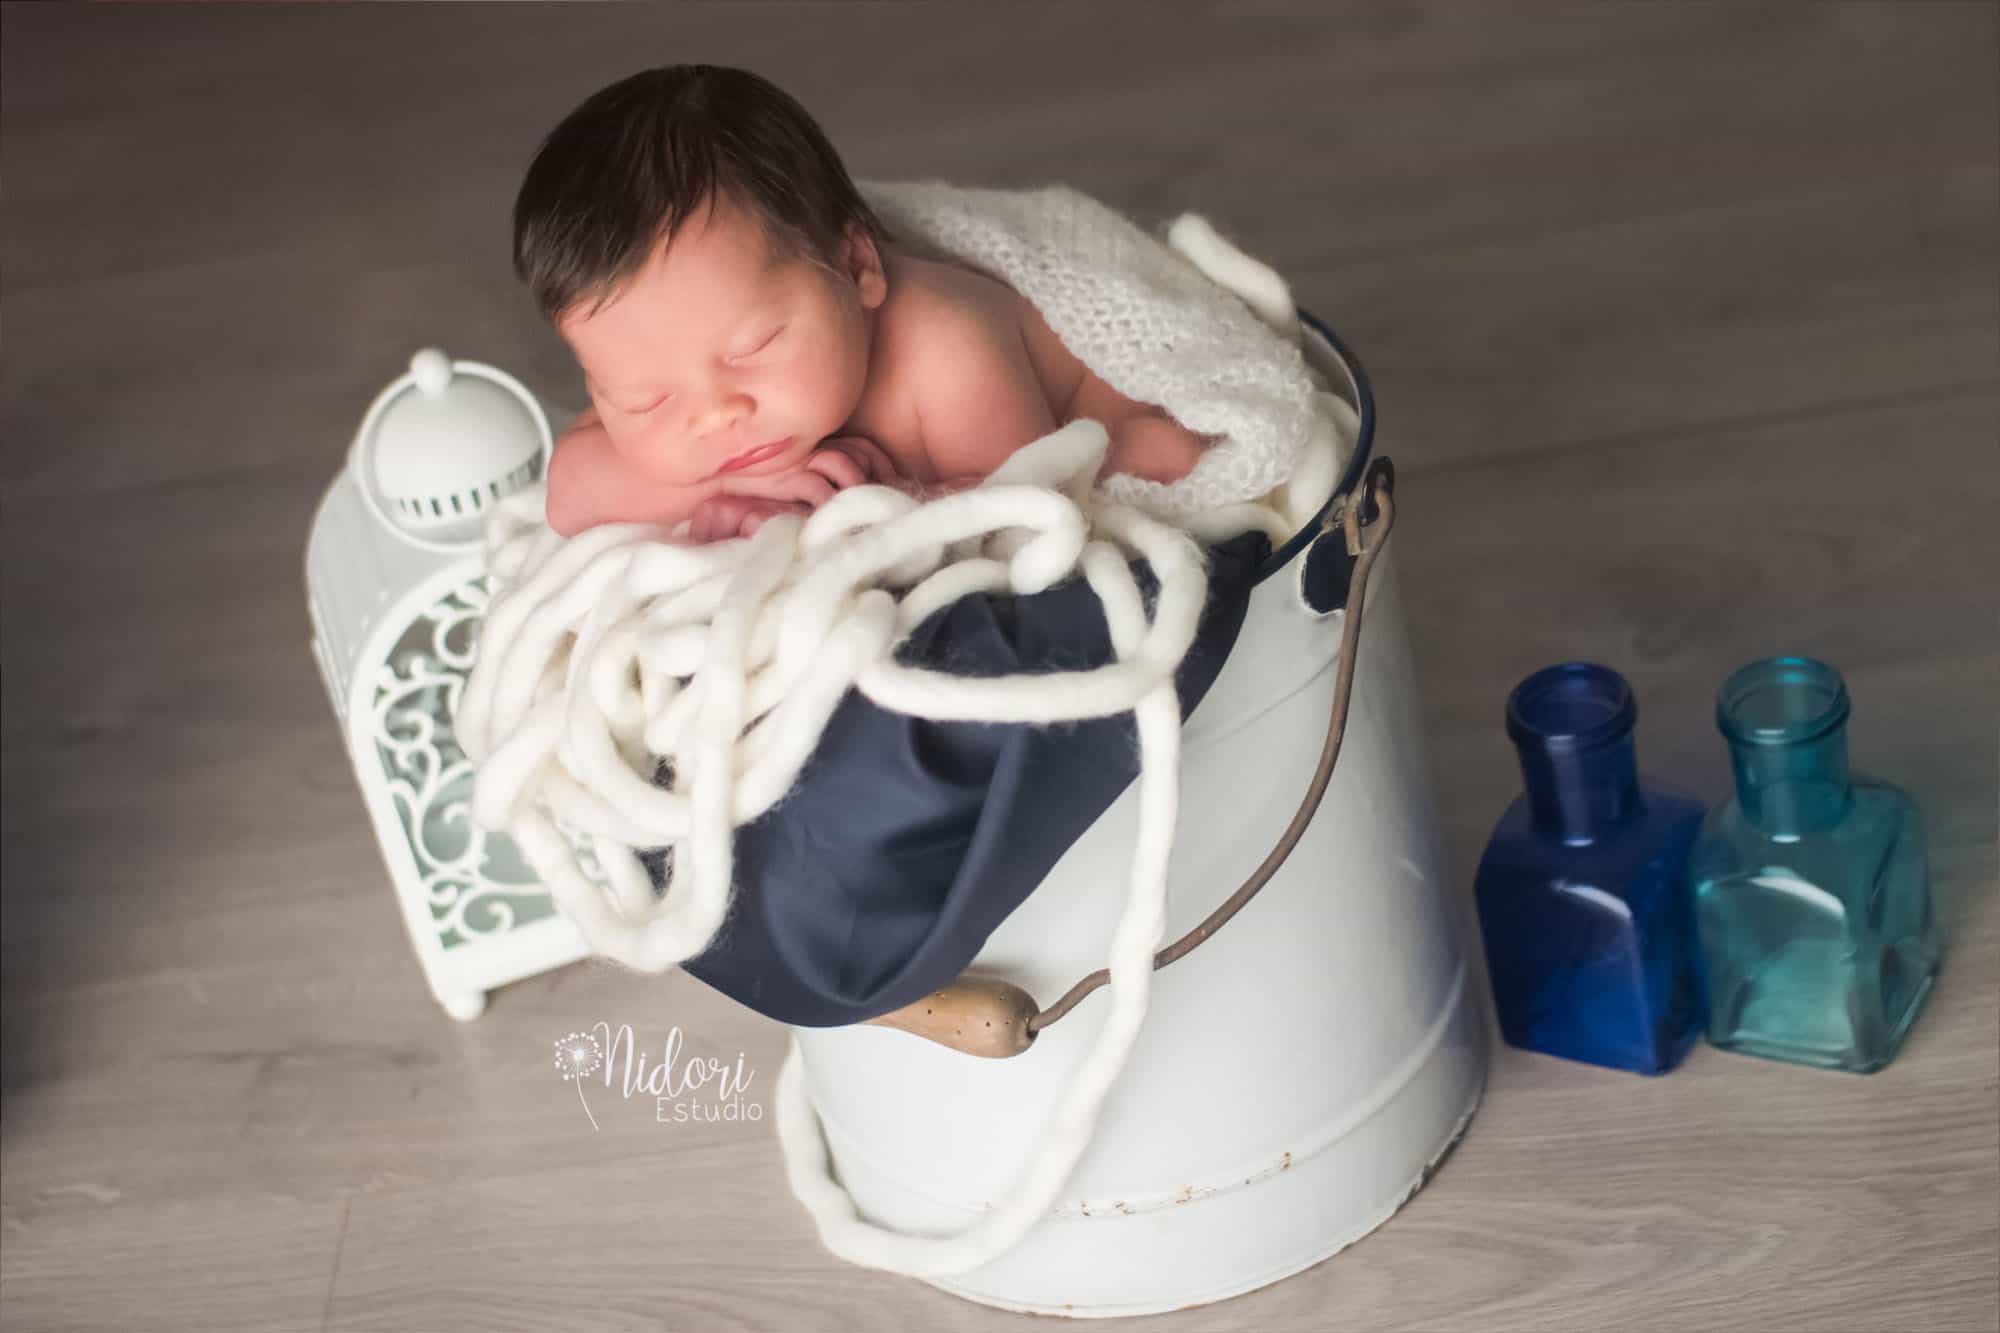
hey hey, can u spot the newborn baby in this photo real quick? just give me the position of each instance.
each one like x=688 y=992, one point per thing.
x=752 y=340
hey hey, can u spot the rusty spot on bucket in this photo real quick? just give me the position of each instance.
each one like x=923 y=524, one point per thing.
x=1288 y=1161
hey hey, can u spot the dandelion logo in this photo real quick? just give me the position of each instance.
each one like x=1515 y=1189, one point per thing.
x=685 y=1088
x=578 y=1056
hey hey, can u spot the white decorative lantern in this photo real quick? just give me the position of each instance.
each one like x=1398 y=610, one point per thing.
x=396 y=584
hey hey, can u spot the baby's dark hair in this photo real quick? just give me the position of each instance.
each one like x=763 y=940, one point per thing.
x=637 y=158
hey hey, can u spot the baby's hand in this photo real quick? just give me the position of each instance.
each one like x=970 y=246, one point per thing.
x=800 y=485
x=742 y=504
x=722 y=517
x=838 y=462
x=834 y=465
x=854 y=460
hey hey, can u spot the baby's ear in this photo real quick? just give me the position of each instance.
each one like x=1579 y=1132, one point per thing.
x=864 y=265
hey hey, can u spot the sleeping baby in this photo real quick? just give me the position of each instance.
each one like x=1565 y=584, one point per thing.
x=753 y=340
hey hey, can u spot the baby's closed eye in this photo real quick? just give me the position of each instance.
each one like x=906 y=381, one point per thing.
x=759 y=344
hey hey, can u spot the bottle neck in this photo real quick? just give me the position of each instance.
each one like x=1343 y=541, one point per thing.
x=1578 y=795
x=1795 y=789
x=1785 y=719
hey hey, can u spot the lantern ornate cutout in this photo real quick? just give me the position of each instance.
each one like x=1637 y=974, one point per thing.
x=396 y=585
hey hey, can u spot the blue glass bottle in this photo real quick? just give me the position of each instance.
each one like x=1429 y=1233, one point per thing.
x=1588 y=937
x=1811 y=893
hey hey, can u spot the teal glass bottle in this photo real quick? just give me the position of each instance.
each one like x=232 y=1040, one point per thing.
x=1818 y=943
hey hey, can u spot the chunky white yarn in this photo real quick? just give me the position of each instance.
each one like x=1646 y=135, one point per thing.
x=741 y=651
x=601 y=653
x=1221 y=359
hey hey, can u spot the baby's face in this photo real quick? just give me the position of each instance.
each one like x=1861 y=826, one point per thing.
x=715 y=351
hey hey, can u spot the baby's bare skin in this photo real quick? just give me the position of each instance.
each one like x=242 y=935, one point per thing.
x=899 y=370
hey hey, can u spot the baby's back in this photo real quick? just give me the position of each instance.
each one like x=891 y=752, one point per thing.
x=932 y=309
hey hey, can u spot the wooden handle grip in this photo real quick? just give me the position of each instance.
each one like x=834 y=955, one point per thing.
x=977 y=1015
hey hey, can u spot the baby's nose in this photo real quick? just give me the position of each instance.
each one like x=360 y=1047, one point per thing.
x=722 y=414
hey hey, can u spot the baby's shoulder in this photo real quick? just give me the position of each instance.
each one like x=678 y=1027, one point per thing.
x=934 y=308
x=961 y=318
x=936 y=324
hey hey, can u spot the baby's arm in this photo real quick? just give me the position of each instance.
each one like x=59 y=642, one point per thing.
x=590 y=484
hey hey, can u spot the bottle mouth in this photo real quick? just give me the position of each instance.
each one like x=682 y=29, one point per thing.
x=1574 y=706
x=1781 y=701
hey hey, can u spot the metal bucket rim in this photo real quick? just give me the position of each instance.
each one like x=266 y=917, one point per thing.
x=1363 y=400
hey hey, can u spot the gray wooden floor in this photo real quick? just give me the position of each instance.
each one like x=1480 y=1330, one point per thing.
x=1683 y=320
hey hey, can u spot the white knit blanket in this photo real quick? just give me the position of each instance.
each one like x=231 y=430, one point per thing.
x=603 y=653
x=1221 y=360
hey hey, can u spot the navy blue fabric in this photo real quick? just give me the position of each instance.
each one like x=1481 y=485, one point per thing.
x=906 y=842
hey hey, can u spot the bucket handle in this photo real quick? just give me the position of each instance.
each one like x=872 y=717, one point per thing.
x=988 y=1017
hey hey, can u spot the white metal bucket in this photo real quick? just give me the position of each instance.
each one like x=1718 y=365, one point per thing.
x=1297 y=1075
